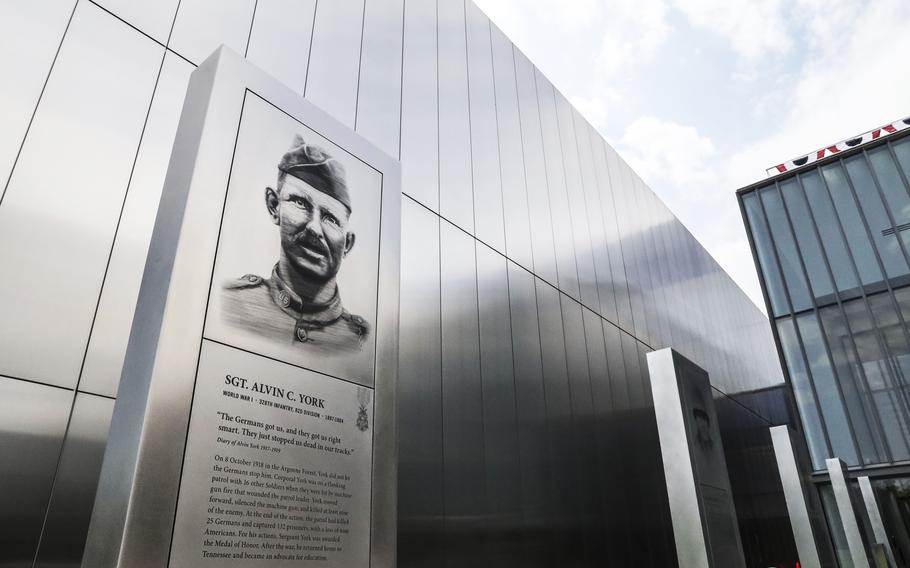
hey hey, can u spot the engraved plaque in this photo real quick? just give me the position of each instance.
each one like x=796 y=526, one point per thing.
x=255 y=423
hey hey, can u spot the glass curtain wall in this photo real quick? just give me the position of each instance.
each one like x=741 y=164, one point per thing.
x=832 y=247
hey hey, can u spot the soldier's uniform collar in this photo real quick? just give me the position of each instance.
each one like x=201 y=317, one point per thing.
x=308 y=314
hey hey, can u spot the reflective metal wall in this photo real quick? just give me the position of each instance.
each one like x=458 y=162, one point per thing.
x=834 y=254
x=538 y=269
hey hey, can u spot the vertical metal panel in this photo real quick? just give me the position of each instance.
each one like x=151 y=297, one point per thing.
x=691 y=545
x=30 y=34
x=420 y=482
x=500 y=427
x=456 y=197
x=462 y=401
x=537 y=500
x=57 y=221
x=625 y=219
x=32 y=423
x=553 y=152
x=111 y=329
x=379 y=89
x=153 y=18
x=535 y=171
x=580 y=160
x=70 y=508
x=202 y=25
x=847 y=513
x=564 y=464
x=587 y=517
x=488 y=214
x=334 y=66
x=609 y=190
x=596 y=225
x=280 y=40
x=796 y=499
x=511 y=155
x=875 y=518
x=419 y=105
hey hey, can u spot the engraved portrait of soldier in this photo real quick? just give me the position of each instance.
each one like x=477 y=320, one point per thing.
x=300 y=301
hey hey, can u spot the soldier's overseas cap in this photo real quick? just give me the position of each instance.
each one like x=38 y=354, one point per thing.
x=316 y=167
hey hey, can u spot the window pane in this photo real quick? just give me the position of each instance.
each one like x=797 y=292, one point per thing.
x=809 y=248
x=902 y=151
x=853 y=225
x=856 y=395
x=891 y=369
x=786 y=249
x=773 y=282
x=828 y=396
x=802 y=389
x=829 y=231
x=879 y=224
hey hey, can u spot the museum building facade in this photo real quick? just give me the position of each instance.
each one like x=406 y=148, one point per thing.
x=829 y=235
x=537 y=271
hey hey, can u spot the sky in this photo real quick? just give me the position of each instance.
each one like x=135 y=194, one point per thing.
x=700 y=96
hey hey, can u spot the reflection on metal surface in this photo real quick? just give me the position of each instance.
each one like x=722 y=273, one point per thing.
x=31 y=33
x=796 y=499
x=32 y=422
x=70 y=507
x=846 y=513
x=110 y=333
x=331 y=79
x=93 y=109
x=875 y=518
x=488 y=214
x=202 y=25
x=286 y=59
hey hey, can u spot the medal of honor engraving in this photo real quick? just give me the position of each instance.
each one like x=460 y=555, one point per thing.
x=255 y=420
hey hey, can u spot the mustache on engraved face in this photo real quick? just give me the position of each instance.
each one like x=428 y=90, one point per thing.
x=312 y=244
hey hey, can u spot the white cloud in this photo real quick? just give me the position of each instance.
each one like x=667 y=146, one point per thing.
x=752 y=27
x=662 y=150
x=632 y=33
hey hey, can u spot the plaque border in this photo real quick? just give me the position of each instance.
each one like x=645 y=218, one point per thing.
x=136 y=502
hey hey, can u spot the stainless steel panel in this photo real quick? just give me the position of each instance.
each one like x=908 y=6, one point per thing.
x=111 y=329
x=280 y=40
x=334 y=64
x=535 y=171
x=609 y=188
x=691 y=545
x=796 y=499
x=538 y=501
x=580 y=171
x=554 y=155
x=94 y=105
x=846 y=512
x=30 y=34
x=875 y=518
x=462 y=401
x=70 y=508
x=500 y=421
x=594 y=195
x=456 y=197
x=32 y=424
x=379 y=88
x=511 y=154
x=133 y=517
x=153 y=18
x=488 y=213
x=420 y=105
x=420 y=481
x=561 y=453
x=202 y=25
x=588 y=517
